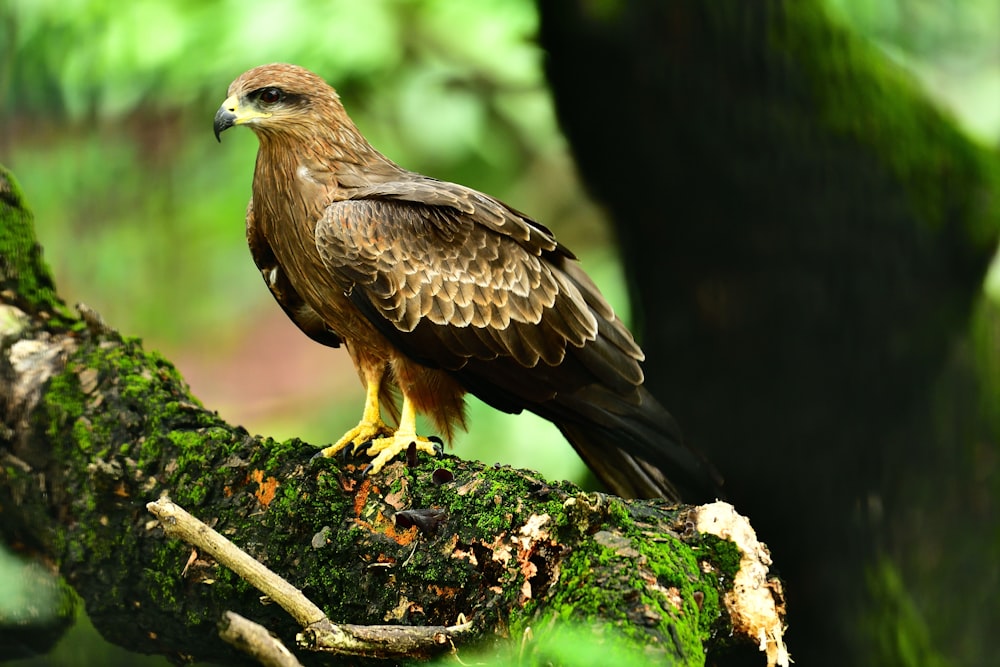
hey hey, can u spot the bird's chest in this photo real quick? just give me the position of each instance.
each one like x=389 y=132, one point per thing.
x=289 y=230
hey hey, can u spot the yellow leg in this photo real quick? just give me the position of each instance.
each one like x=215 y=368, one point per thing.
x=371 y=426
x=388 y=447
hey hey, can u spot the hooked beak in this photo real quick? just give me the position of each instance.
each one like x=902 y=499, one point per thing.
x=232 y=112
x=224 y=119
x=226 y=116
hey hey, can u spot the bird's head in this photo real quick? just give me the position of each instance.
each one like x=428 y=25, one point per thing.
x=277 y=99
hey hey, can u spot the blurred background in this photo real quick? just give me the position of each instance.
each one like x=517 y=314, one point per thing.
x=105 y=118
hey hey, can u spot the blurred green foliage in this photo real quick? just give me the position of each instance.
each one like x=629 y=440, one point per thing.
x=107 y=108
x=573 y=643
x=951 y=47
x=949 y=44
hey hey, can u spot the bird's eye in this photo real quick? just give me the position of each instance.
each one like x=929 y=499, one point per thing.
x=269 y=95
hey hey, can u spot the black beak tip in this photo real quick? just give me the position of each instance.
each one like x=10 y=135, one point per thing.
x=224 y=119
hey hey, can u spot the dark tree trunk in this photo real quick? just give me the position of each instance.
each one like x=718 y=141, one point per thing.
x=806 y=237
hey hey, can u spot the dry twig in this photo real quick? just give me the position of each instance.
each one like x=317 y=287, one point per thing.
x=319 y=633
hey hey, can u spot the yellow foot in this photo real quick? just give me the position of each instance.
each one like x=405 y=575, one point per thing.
x=365 y=432
x=388 y=447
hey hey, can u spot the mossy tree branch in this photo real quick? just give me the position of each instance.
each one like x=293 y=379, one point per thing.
x=96 y=427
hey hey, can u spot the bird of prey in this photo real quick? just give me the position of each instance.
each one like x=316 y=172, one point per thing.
x=436 y=290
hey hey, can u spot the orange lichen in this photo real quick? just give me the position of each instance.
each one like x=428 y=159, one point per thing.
x=266 y=488
x=361 y=497
x=387 y=527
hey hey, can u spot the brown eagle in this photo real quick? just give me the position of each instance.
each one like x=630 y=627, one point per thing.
x=438 y=290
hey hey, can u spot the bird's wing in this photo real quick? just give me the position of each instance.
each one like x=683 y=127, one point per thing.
x=451 y=275
x=281 y=289
x=458 y=281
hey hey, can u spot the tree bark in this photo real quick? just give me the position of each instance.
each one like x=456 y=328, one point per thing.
x=95 y=427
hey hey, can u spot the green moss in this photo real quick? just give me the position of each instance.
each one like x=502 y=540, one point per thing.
x=896 y=627
x=23 y=272
x=722 y=554
x=64 y=401
x=81 y=433
x=662 y=578
x=618 y=514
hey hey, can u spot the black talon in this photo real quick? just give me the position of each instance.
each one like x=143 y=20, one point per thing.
x=438 y=445
x=365 y=470
x=358 y=449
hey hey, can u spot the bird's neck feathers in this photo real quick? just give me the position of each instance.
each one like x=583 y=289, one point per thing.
x=332 y=153
x=306 y=166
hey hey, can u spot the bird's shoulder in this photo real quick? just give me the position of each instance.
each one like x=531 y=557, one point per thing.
x=409 y=203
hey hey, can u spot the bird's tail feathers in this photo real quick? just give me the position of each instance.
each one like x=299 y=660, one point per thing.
x=635 y=447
